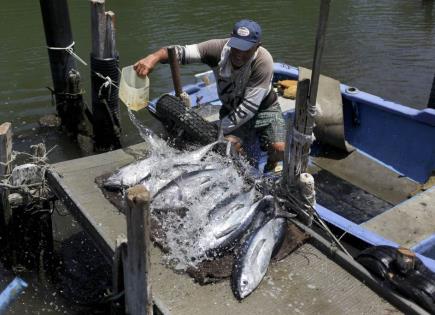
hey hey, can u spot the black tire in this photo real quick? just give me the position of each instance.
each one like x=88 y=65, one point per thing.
x=172 y=112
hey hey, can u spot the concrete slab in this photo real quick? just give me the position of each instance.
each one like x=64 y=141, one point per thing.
x=305 y=282
x=409 y=222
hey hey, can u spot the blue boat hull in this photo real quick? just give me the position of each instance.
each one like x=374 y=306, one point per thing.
x=398 y=137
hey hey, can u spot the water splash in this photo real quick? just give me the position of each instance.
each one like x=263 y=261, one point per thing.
x=157 y=145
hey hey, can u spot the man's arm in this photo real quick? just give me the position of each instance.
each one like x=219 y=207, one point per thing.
x=207 y=52
x=144 y=66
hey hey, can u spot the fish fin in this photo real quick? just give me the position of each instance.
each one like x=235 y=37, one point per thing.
x=257 y=250
x=227 y=231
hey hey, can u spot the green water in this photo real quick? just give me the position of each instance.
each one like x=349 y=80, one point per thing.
x=386 y=48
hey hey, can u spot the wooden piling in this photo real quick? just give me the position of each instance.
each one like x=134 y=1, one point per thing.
x=5 y=169
x=98 y=27
x=295 y=154
x=137 y=263
x=104 y=79
x=110 y=43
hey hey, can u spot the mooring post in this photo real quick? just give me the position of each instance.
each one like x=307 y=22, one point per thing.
x=137 y=263
x=104 y=79
x=59 y=38
x=98 y=27
x=5 y=159
x=110 y=44
x=300 y=132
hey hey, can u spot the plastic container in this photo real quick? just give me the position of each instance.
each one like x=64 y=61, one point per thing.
x=133 y=90
x=11 y=292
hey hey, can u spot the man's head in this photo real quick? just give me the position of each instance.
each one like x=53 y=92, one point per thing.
x=245 y=39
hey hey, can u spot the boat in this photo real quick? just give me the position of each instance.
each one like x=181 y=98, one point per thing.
x=374 y=185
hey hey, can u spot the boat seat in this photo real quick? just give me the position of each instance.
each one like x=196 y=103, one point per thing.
x=408 y=223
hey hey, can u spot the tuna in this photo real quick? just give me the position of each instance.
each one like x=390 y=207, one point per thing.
x=254 y=255
x=229 y=223
x=140 y=171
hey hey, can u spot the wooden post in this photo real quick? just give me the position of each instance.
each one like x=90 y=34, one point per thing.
x=297 y=157
x=110 y=44
x=137 y=263
x=98 y=27
x=104 y=79
x=295 y=162
x=5 y=169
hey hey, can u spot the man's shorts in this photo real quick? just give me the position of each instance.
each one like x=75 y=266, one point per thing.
x=268 y=124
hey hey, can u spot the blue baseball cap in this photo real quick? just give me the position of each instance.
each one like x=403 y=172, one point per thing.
x=246 y=34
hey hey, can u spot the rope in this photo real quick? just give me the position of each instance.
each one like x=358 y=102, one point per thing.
x=303 y=138
x=69 y=49
x=107 y=84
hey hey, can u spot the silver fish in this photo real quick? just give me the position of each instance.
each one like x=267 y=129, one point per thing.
x=253 y=257
x=184 y=188
x=139 y=171
x=227 y=224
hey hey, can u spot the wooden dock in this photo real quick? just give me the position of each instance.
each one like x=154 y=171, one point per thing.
x=307 y=281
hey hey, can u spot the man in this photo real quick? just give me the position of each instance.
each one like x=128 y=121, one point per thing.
x=243 y=71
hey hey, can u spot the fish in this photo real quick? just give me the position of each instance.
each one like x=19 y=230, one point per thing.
x=141 y=170
x=253 y=257
x=228 y=224
x=183 y=188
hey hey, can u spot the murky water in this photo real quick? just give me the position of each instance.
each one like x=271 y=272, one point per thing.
x=385 y=48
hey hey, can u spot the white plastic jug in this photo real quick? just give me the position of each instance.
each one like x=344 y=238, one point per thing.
x=134 y=90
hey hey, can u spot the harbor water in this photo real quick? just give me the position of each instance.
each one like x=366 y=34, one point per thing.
x=385 y=48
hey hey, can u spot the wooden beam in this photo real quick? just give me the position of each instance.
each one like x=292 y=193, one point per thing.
x=137 y=261
x=98 y=27
x=110 y=44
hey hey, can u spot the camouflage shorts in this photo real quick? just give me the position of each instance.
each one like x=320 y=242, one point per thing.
x=268 y=124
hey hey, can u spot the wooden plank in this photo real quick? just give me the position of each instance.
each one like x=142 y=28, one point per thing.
x=98 y=27
x=137 y=261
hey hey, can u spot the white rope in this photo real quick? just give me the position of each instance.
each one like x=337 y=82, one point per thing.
x=302 y=138
x=69 y=49
x=108 y=81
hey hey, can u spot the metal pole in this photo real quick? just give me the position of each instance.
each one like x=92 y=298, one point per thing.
x=175 y=70
x=58 y=34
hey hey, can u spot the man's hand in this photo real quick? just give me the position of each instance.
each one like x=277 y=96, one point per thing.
x=236 y=142
x=144 y=66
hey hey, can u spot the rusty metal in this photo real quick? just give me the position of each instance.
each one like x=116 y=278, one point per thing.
x=175 y=70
